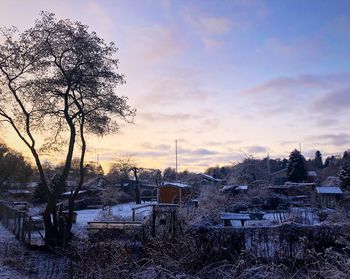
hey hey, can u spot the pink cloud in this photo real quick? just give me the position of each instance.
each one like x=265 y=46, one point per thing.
x=215 y=25
x=155 y=43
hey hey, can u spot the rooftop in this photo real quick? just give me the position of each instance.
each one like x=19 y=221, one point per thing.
x=328 y=190
x=235 y=216
x=176 y=184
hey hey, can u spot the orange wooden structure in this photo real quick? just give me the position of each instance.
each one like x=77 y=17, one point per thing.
x=173 y=193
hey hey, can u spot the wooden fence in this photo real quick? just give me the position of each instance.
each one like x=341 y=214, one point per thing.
x=17 y=221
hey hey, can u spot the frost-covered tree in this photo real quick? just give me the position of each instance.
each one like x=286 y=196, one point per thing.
x=296 y=170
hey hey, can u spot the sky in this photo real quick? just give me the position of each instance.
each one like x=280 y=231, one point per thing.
x=227 y=79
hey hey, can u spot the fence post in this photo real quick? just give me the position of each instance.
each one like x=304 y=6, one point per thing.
x=18 y=227
x=153 y=221
x=16 y=221
x=30 y=230
x=23 y=226
x=7 y=217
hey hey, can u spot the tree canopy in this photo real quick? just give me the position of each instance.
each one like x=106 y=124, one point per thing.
x=296 y=170
x=13 y=166
x=58 y=82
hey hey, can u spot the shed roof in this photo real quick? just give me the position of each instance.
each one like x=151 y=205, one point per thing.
x=312 y=173
x=210 y=178
x=235 y=216
x=68 y=193
x=175 y=184
x=328 y=190
x=228 y=187
x=282 y=171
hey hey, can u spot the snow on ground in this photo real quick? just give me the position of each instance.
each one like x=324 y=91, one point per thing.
x=121 y=211
x=18 y=262
x=6 y=238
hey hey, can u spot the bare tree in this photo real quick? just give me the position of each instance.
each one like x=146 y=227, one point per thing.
x=57 y=83
x=121 y=167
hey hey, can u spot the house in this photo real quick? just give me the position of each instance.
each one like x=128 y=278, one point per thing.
x=173 y=192
x=328 y=196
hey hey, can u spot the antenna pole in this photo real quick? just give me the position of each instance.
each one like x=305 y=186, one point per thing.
x=176 y=160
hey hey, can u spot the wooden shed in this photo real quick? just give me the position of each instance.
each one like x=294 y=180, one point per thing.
x=173 y=192
x=328 y=196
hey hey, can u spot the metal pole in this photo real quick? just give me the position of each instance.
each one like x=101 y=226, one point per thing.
x=176 y=160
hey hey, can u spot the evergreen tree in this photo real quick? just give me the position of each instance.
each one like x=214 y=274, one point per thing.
x=296 y=170
x=318 y=160
x=344 y=173
x=327 y=162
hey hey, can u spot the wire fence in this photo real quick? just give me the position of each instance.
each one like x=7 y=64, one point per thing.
x=17 y=221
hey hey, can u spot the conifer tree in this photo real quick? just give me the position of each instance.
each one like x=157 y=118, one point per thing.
x=344 y=173
x=296 y=170
x=318 y=160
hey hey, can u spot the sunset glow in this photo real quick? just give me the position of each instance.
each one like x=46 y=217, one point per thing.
x=224 y=78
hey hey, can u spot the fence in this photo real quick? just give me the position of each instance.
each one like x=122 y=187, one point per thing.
x=17 y=221
x=288 y=240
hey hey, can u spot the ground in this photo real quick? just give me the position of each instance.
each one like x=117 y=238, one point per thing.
x=18 y=262
x=119 y=212
x=7 y=272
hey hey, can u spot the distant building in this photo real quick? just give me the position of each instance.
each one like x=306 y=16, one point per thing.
x=234 y=189
x=205 y=179
x=327 y=196
x=291 y=189
x=230 y=219
x=279 y=177
x=311 y=177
